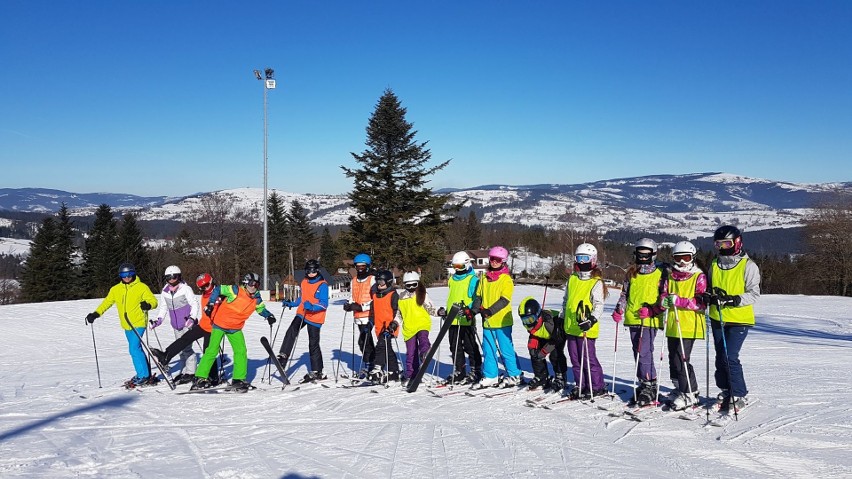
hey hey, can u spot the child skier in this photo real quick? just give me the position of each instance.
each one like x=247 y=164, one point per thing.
x=240 y=301
x=359 y=305
x=493 y=303
x=181 y=305
x=462 y=285
x=545 y=335
x=415 y=311
x=133 y=299
x=202 y=330
x=735 y=285
x=639 y=307
x=311 y=306
x=686 y=283
x=582 y=305
x=383 y=312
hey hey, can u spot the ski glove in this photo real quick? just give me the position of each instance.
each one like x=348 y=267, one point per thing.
x=442 y=312
x=392 y=327
x=347 y=307
x=190 y=323
x=91 y=317
x=617 y=317
x=586 y=323
x=486 y=313
x=645 y=312
x=669 y=301
x=288 y=304
x=145 y=306
x=270 y=319
x=208 y=310
x=156 y=322
x=728 y=300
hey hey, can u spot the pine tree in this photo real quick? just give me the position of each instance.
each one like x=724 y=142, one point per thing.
x=132 y=249
x=101 y=258
x=302 y=234
x=328 y=251
x=67 y=275
x=472 y=232
x=36 y=279
x=397 y=217
x=277 y=231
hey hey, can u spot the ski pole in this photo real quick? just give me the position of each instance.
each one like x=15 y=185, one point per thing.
x=340 y=349
x=614 y=356
x=95 y=347
x=295 y=342
x=399 y=358
x=683 y=357
x=707 y=360
x=727 y=362
x=662 y=353
x=267 y=371
x=637 y=351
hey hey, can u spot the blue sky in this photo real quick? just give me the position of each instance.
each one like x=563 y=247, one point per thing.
x=158 y=98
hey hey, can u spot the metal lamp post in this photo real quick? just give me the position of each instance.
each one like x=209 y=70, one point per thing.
x=268 y=84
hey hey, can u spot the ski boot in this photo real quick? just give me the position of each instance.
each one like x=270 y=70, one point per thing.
x=537 y=382
x=473 y=377
x=511 y=381
x=647 y=393
x=486 y=383
x=199 y=383
x=239 y=386
x=456 y=378
x=159 y=356
x=557 y=384
x=683 y=400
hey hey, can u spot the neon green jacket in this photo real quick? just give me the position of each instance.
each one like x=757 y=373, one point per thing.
x=127 y=297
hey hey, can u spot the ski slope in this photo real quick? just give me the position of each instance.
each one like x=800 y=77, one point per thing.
x=56 y=422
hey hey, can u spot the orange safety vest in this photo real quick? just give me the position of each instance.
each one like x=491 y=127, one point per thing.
x=383 y=312
x=361 y=295
x=233 y=315
x=204 y=321
x=309 y=293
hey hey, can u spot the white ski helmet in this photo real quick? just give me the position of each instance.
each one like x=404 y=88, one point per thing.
x=642 y=257
x=585 y=254
x=172 y=272
x=461 y=259
x=411 y=277
x=681 y=249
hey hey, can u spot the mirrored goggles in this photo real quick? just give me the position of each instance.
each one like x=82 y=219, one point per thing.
x=126 y=274
x=683 y=258
x=170 y=277
x=459 y=267
x=583 y=258
x=528 y=319
x=724 y=244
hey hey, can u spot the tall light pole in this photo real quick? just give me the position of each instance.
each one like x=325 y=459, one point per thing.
x=268 y=84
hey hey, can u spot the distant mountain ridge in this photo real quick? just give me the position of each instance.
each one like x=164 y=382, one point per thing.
x=690 y=205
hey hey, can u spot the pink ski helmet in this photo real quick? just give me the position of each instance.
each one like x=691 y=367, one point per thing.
x=499 y=252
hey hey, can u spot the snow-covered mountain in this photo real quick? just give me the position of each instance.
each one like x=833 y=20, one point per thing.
x=691 y=205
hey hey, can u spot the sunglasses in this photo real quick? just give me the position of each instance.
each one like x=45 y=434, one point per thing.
x=126 y=274
x=683 y=258
x=583 y=258
x=724 y=244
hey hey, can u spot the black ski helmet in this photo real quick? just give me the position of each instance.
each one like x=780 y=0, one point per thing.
x=386 y=276
x=529 y=310
x=732 y=233
x=126 y=270
x=312 y=266
x=251 y=279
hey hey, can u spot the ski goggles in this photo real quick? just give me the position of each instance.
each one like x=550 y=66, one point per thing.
x=495 y=259
x=683 y=258
x=381 y=281
x=411 y=286
x=643 y=255
x=127 y=274
x=528 y=319
x=582 y=258
x=170 y=277
x=204 y=286
x=361 y=266
x=311 y=270
x=724 y=244
x=459 y=267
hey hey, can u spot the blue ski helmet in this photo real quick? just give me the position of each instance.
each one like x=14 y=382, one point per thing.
x=363 y=259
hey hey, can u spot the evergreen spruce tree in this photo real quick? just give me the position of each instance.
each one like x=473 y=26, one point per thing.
x=101 y=257
x=302 y=234
x=329 y=256
x=473 y=232
x=67 y=275
x=36 y=279
x=132 y=250
x=278 y=239
x=397 y=216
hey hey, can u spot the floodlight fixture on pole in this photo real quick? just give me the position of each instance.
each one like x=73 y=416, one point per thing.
x=268 y=84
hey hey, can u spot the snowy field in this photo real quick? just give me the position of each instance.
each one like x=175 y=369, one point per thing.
x=56 y=422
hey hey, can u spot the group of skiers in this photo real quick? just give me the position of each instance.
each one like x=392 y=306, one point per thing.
x=655 y=296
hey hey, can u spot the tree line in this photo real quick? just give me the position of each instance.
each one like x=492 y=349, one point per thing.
x=398 y=220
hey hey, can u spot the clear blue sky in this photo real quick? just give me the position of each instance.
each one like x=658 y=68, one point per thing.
x=158 y=97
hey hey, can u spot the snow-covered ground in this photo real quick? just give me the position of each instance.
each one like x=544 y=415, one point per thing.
x=56 y=422
x=13 y=246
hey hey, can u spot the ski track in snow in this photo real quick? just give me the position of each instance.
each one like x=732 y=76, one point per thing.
x=56 y=422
